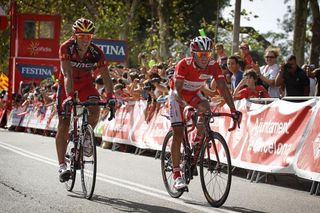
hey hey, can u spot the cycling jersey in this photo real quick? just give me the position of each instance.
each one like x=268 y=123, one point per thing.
x=194 y=78
x=82 y=69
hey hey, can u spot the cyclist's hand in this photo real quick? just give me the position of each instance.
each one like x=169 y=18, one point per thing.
x=237 y=117
x=67 y=101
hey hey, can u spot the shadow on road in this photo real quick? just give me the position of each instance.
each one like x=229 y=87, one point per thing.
x=126 y=205
x=240 y=209
x=229 y=208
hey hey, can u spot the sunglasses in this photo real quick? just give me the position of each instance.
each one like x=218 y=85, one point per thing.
x=269 y=56
x=203 y=54
x=85 y=36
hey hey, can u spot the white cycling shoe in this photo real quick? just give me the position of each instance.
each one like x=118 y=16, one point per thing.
x=179 y=183
x=64 y=174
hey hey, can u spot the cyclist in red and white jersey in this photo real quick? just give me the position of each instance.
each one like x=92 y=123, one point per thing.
x=79 y=57
x=189 y=78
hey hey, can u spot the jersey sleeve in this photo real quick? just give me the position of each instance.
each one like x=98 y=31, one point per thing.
x=64 y=55
x=103 y=60
x=181 y=70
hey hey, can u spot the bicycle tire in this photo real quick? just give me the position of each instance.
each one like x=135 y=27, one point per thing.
x=70 y=161
x=213 y=173
x=88 y=164
x=166 y=166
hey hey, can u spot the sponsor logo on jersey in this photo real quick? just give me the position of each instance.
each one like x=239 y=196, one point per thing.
x=204 y=76
x=192 y=85
x=81 y=65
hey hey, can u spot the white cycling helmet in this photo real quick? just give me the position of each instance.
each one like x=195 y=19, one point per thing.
x=201 y=43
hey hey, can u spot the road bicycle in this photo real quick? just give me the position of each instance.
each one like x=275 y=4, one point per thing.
x=211 y=155
x=76 y=156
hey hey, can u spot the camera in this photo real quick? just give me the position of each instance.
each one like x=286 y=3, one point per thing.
x=149 y=86
x=224 y=66
x=155 y=80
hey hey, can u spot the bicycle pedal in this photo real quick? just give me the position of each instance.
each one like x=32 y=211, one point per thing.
x=186 y=189
x=195 y=171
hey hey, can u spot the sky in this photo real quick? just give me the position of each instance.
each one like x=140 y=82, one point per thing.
x=267 y=10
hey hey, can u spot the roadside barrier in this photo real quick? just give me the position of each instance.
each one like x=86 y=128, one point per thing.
x=279 y=137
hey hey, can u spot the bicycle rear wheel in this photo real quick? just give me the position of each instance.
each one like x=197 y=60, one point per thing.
x=215 y=170
x=70 y=161
x=88 y=162
x=166 y=166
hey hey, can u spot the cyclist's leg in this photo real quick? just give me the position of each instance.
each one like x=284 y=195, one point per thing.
x=94 y=113
x=178 y=128
x=91 y=94
x=202 y=105
x=61 y=139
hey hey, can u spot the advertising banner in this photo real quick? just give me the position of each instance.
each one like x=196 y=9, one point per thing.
x=308 y=160
x=34 y=70
x=115 y=50
x=38 y=36
x=273 y=135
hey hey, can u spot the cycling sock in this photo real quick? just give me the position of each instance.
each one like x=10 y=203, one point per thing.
x=62 y=165
x=176 y=172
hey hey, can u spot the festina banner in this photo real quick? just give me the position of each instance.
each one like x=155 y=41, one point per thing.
x=115 y=50
x=35 y=71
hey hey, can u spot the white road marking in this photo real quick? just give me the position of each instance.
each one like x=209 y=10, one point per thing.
x=116 y=181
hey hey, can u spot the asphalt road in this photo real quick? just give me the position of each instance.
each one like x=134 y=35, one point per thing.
x=127 y=183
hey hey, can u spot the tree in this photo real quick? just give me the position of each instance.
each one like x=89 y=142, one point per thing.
x=315 y=40
x=300 y=29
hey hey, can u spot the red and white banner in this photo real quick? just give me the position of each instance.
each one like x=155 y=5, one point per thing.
x=273 y=134
x=307 y=164
x=280 y=137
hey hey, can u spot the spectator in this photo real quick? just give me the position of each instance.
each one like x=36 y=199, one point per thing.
x=316 y=74
x=268 y=73
x=245 y=55
x=237 y=73
x=219 y=50
x=293 y=78
x=312 y=78
x=155 y=59
x=248 y=87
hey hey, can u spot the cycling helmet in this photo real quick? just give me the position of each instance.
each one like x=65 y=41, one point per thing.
x=201 y=43
x=83 y=25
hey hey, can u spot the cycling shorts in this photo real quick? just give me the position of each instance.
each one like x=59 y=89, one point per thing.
x=176 y=111
x=84 y=94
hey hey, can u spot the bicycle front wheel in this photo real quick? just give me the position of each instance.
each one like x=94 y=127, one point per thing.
x=70 y=161
x=167 y=167
x=88 y=162
x=215 y=169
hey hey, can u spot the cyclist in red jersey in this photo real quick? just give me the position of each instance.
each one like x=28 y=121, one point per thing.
x=79 y=57
x=189 y=77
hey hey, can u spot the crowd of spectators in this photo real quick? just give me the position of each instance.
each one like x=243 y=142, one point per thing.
x=150 y=80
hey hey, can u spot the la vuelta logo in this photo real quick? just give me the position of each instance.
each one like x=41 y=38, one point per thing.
x=316 y=147
x=35 y=48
